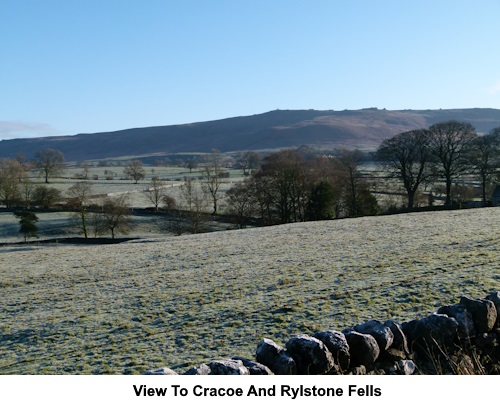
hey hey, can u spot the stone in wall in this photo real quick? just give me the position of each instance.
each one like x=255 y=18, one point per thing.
x=483 y=312
x=311 y=355
x=337 y=345
x=433 y=344
x=275 y=357
x=382 y=334
x=406 y=367
x=220 y=367
x=399 y=348
x=227 y=367
x=202 y=369
x=495 y=298
x=160 y=371
x=363 y=348
x=253 y=367
x=464 y=318
x=431 y=335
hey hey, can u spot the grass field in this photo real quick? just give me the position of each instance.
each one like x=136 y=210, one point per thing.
x=181 y=301
x=172 y=177
x=59 y=224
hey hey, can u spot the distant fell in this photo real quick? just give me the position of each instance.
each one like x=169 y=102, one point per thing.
x=363 y=129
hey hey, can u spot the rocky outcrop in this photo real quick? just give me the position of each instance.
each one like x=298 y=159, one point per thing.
x=451 y=340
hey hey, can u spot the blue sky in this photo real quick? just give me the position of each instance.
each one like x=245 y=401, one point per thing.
x=74 y=66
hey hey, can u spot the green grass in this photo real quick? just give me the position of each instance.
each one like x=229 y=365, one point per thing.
x=182 y=301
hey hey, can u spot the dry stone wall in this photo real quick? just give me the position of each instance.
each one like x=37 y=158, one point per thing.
x=463 y=338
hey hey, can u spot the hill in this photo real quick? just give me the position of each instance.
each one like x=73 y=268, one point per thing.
x=363 y=129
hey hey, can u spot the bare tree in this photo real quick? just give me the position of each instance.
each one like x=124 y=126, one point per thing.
x=289 y=181
x=288 y=188
x=156 y=192
x=27 y=188
x=199 y=206
x=407 y=156
x=26 y=164
x=177 y=222
x=21 y=158
x=79 y=195
x=50 y=162
x=349 y=160
x=169 y=203
x=213 y=177
x=96 y=223
x=191 y=164
x=451 y=142
x=187 y=190
x=135 y=170
x=115 y=216
x=484 y=158
x=462 y=193
x=249 y=161
x=254 y=160
x=11 y=174
x=85 y=169
x=241 y=202
x=195 y=199
x=356 y=197
x=44 y=196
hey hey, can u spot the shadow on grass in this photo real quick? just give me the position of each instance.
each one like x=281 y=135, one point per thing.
x=70 y=241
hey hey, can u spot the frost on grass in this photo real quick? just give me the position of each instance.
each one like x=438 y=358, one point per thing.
x=183 y=301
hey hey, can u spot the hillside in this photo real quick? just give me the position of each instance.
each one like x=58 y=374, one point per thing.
x=364 y=129
x=182 y=301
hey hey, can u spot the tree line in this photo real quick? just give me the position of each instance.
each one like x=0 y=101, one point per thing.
x=291 y=185
x=290 y=188
x=16 y=189
x=446 y=151
x=111 y=215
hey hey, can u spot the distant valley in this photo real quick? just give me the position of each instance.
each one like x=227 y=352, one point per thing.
x=364 y=129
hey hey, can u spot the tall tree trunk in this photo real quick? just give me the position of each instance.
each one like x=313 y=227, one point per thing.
x=354 y=207
x=84 y=225
x=483 y=186
x=448 y=192
x=411 y=199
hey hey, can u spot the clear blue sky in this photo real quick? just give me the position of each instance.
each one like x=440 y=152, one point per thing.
x=73 y=66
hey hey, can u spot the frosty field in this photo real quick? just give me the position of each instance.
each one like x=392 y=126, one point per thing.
x=182 y=301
